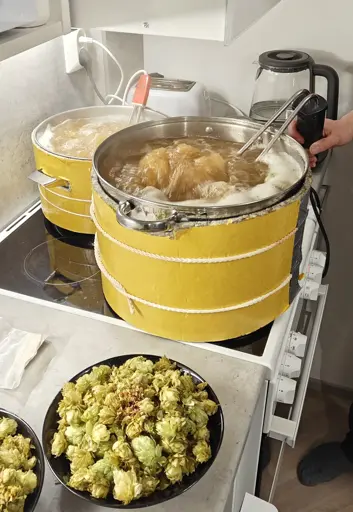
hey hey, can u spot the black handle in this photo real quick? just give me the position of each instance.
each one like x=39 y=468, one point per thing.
x=311 y=119
x=333 y=83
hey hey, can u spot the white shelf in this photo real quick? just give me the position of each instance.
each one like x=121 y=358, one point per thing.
x=217 y=20
x=21 y=39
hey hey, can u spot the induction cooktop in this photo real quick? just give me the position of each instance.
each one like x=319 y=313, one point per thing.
x=41 y=260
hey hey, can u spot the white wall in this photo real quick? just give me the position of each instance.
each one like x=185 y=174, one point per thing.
x=321 y=27
x=33 y=86
x=324 y=29
x=128 y=48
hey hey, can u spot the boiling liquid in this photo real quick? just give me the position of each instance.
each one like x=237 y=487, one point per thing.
x=79 y=138
x=202 y=170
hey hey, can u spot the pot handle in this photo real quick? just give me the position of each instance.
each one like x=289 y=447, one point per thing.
x=44 y=180
x=123 y=217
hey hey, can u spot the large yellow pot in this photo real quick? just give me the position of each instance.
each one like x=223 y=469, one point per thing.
x=197 y=273
x=162 y=283
x=66 y=199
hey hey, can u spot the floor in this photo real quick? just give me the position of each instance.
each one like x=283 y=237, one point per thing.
x=324 y=418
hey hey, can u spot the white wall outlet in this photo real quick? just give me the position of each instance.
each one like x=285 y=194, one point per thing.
x=71 y=51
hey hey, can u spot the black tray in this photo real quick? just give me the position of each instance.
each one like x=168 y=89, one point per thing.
x=39 y=469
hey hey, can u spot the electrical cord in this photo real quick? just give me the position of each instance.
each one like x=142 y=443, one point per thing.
x=86 y=62
x=90 y=40
x=317 y=199
x=316 y=205
x=156 y=111
x=114 y=97
x=145 y=108
x=131 y=83
x=237 y=110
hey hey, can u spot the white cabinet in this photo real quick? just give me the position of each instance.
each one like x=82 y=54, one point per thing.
x=218 y=20
x=14 y=13
x=18 y=40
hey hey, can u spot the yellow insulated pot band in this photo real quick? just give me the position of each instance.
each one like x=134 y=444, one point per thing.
x=188 y=260
x=131 y=298
x=62 y=209
x=51 y=191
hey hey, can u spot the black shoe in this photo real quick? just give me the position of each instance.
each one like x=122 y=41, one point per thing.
x=323 y=464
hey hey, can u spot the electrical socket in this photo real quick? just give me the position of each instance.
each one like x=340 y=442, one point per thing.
x=71 y=51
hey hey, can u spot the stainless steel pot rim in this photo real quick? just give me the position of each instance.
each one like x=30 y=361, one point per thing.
x=297 y=195
x=198 y=212
x=195 y=211
x=47 y=121
x=245 y=121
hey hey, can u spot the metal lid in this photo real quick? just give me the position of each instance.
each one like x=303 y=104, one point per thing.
x=175 y=85
x=285 y=61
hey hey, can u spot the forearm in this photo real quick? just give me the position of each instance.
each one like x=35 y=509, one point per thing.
x=347 y=122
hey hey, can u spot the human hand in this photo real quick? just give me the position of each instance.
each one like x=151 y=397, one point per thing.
x=336 y=133
x=293 y=132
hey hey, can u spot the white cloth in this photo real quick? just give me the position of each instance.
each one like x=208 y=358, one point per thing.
x=17 y=349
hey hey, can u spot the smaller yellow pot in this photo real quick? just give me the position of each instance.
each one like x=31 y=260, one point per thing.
x=65 y=182
x=75 y=274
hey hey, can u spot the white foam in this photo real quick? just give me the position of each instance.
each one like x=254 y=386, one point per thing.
x=78 y=137
x=283 y=171
x=263 y=191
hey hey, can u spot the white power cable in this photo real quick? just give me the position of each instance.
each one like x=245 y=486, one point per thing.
x=110 y=97
x=86 y=62
x=113 y=97
x=149 y=109
x=237 y=110
x=131 y=81
x=90 y=40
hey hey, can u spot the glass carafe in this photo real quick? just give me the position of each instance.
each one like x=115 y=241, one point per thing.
x=281 y=74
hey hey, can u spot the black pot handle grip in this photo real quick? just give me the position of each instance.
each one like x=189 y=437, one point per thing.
x=311 y=119
x=333 y=84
